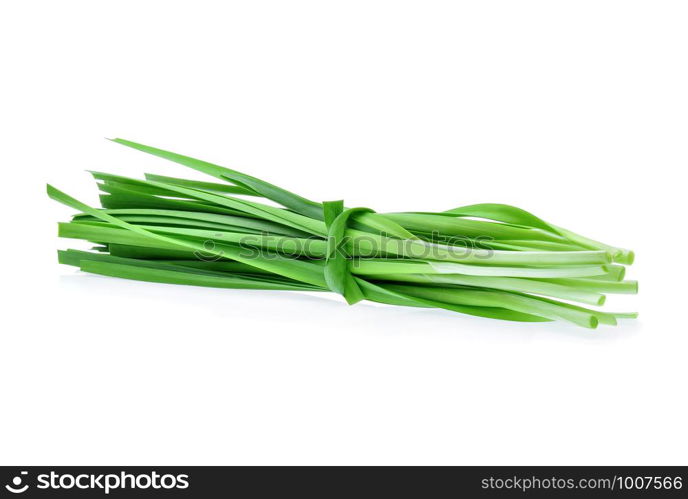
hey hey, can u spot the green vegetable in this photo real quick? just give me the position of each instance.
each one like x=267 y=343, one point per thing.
x=488 y=260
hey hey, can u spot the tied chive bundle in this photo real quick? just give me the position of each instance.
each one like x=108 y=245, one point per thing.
x=488 y=260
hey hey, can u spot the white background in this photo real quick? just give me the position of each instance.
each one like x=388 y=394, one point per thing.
x=576 y=111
